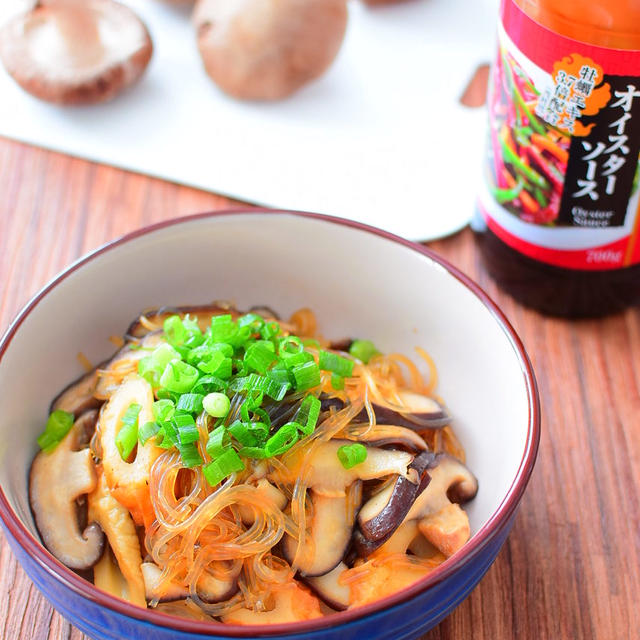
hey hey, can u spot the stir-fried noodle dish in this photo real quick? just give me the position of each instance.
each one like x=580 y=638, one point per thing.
x=234 y=467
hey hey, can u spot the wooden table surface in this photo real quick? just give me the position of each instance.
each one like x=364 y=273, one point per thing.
x=571 y=566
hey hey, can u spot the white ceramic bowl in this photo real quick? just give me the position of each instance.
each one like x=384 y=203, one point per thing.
x=360 y=282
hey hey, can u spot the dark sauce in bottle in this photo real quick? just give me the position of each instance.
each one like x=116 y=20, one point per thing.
x=558 y=221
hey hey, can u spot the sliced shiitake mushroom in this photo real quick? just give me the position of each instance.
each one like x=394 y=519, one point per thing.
x=329 y=589
x=331 y=529
x=387 y=436
x=268 y=49
x=90 y=391
x=57 y=479
x=413 y=411
x=75 y=52
x=153 y=319
x=209 y=588
x=326 y=475
x=78 y=396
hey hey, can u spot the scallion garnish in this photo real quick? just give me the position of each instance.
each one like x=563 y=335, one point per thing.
x=351 y=455
x=329 y=361
x=364 y=350
x=307 y=375
x=58 y=425
x=127 y=436
x=222 y=467
x=216 y=404
x=230 y=376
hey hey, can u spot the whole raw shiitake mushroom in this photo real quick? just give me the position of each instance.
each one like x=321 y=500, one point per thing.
x=268 y=49
x=75 y=51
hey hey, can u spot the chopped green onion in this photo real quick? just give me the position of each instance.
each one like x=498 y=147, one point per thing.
x=337 y=382
x=258 y=453
x=218 y=442
x=260 y=355
x=242 y=434
x=280 y=374
x=329 y=361
x=222 y=467
x=351 y=455
x=190 y=455
x=175 y=330
x=255 y=382
x=282 y=440
x=163 y=410
x=223 y=328
x=58 y=425
x=364 y=350
x=306 y=375
x=269 y=330
x=216 y=405
x=147 y=431
x=209 y=384
x=307 y=415
x=127 y=436
x=179 y=377
x=191 y=402
x=253 y=321
x=187 y=429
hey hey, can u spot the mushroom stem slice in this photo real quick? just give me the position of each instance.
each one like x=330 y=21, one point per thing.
x=72 y=52
x=331 y=529
x=57 y=479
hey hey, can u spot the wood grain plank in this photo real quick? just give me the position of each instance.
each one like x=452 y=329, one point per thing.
x=571 y=566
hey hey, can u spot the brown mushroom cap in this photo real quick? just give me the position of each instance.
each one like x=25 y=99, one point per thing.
x=267 y=49
x=72 y=52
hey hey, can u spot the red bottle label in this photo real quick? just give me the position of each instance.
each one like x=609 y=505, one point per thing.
x=562 y=172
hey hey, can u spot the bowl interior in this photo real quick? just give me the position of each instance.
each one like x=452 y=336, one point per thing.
x=360 y=285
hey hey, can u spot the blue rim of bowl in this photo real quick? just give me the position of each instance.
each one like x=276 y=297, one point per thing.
x=476 y=544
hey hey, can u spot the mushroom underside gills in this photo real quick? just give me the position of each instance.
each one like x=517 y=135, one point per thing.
x=384 y=512
x=75 y=52
x=56 y=480
x=331 y=529
x=329 y=589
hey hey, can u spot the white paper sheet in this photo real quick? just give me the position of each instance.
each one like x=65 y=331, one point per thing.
x=381 y=138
